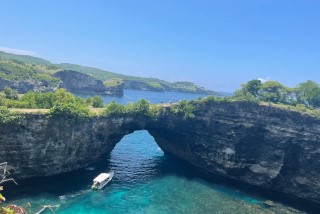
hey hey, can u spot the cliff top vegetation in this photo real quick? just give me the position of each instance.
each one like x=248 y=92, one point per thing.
x=304 y=98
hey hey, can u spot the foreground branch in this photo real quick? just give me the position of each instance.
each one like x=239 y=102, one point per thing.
x=5 y=173
x=50 y=207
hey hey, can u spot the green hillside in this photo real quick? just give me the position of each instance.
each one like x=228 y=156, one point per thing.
x=15 y=70
x=22 y=67
x=140 y=83
x=24 y=58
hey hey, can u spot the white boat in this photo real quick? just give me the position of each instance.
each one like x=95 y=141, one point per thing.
x=101 y=180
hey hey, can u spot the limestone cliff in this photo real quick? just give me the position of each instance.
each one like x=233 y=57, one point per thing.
x=264 y=146
x=80 y=83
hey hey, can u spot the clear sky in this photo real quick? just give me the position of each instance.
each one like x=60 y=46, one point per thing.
x=217 y=44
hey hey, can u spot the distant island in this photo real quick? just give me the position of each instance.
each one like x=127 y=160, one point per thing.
x=24 y=73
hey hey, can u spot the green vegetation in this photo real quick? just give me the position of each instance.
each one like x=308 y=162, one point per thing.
x=8 y=117
x=10 y=94
x=184 y=108
x=303 y=98
x=21 y=68
x=95 y=102
x=14 y=70
x=113 y=82
x=60 y=103
x=306 y=94
x=309 y=93
x=140 y=108
x=144 y=83
x=23 y=58
x=114 y=109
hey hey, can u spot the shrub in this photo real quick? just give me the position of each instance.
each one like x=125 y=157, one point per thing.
x=114 y=109
x=3 y=101
x=69 y=106
x=141 y=107
x=70 y=110
x=7 y=117
x=184 y=108
x=96 y=101
x=10 y=93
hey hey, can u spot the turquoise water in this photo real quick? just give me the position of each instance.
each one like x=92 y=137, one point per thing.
x=145 y=181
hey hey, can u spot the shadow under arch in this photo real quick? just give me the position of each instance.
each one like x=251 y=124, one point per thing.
x=135 y=159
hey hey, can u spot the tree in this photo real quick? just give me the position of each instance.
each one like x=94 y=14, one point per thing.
x=249 y=90
x=184 y=108
x=96 y=101
x=309 y=93
x=273 y=91
x=114 y=109
x=10 y=93
x=253 y=87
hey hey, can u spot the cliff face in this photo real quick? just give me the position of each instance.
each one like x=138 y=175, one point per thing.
x=80 y=83
x=263 y=146
x=259 y=145
x=42 y=146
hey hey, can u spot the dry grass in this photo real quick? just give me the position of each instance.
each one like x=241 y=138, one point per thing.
x=29 y=111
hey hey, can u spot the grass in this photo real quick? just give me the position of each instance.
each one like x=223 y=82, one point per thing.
x=183 y=108
x=113 y=82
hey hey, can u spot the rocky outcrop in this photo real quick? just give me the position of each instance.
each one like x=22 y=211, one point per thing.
x=264 y=146
x=162 y=86
x=139 y=85
x=117 y=90
x=28 y=85
x=80 y=83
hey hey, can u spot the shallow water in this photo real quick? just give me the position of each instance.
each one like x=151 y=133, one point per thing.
x=145 y=181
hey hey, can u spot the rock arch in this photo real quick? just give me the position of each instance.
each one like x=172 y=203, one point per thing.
x=246 y=142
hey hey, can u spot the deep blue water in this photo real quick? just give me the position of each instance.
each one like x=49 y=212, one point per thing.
x=145 y=181
x=154 y=97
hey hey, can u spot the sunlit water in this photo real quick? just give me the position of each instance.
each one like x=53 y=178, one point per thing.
x=131 y=96
x=145 y=181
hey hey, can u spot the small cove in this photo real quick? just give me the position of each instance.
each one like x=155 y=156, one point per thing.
x=146 y=181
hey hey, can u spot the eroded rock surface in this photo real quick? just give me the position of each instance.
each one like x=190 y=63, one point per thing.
x=264 y=146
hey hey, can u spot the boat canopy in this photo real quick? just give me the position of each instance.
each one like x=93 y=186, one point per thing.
x=101 y=177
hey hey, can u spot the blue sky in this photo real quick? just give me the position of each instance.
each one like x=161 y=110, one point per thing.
x=216 y=44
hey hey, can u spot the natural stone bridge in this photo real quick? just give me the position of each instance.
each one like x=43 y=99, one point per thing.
x=264 y=146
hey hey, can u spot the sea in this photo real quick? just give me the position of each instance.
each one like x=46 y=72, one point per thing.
x=147 y=181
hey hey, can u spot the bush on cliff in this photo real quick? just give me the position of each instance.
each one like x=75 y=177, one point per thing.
x=95 y=102
x=307 y=93
x=141 y=107
x=8 y=117
x=114 y=109
x=48 y=100
x=184 y=108
x=69 y=106
x=71 y=110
